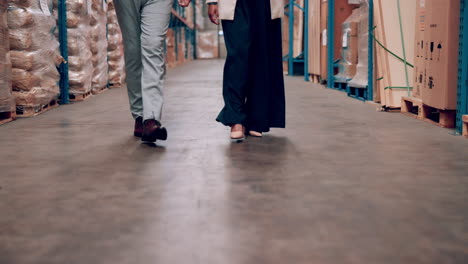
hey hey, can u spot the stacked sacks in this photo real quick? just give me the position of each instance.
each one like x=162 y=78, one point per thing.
x=79 y=51
x=98 y=44
x=115 y=49
x=6 y=98
x=34 y=53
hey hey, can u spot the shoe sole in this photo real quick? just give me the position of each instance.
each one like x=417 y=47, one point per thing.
x=237 y=140
x=158 y=134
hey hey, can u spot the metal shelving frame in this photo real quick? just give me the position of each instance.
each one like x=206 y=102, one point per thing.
x=462 y=104
x=179 y=24
x=63 y=39
x=331 y=51
x=304 y=55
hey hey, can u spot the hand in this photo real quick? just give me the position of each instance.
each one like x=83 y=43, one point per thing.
x=184 y=3
x=213 y=13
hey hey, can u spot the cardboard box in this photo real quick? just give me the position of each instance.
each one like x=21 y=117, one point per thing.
x=439 y=89
x=420 y=37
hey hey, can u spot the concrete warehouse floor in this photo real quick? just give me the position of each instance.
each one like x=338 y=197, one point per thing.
x=342 y=184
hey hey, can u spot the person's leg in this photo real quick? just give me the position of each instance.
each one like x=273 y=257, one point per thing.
x=266 y=98
x=277 y=100
x=258 y=94
x=155 y=16
x=128 y=14
x=237 y=36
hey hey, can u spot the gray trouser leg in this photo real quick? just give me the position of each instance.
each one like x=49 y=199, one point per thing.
x=144 y=25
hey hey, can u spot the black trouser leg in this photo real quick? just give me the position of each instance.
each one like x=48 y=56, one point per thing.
x=236 y=70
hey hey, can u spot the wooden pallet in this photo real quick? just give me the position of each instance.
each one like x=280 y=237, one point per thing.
x=465 y=126
x=412 y=106
x=31 y=111
x=6 y=117
x=442 y=118
x=80 y=97
x=115 y=85
x=95 y=92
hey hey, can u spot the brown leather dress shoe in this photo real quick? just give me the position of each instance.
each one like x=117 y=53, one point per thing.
x=138 y=132
x=153 y=130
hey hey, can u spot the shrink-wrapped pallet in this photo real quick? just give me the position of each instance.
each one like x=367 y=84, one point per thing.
x=34 y=52
x=115 y=53
x=360 y=80
x=349 y=50
x=6 y=98
x=98 y=44
x=79 y=46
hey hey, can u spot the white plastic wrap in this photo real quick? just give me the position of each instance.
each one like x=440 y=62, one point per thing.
x=360 y=80
x=34 y=52
x=79 y=51
x=115 y=53
x=6 y=98
x=98 y=44
x=349 y=48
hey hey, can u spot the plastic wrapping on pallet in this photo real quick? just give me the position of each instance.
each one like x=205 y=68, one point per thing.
x=115 y=52
x=6 y=98
x=207 y=45
x=360 y=80
x=98 y=44
x=349 y=50
x=34 y=52
x=79 y=42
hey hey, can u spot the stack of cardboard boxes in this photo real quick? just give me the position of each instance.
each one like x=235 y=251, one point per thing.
x=436 y=60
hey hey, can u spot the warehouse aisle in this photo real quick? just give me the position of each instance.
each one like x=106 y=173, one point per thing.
x=343 y=184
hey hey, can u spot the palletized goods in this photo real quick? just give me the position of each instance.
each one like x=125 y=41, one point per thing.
x=6 y=98
x=115 y=52
x=98 y=44
x=34 y=53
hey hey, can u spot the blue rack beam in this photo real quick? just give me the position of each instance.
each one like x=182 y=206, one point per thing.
x=462 y=98
x=330 y=44
x=306 y=40
x=291 y=38
x=370 y=67
x=63 y=38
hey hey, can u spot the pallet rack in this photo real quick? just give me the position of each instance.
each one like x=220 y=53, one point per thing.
x=303 y=57
x=180 y=24
x=369 y=94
